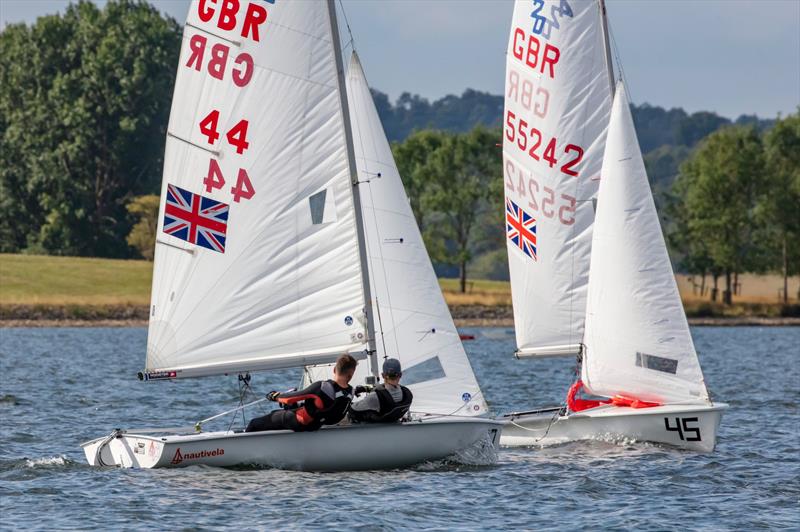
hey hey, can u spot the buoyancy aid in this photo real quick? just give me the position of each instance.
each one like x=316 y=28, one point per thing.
x=390 y=411
x=324 y=403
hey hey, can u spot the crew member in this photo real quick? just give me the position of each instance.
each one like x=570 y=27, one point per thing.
x=321 y=403
x=386 y=403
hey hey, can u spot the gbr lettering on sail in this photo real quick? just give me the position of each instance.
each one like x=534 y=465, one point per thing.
x=542 y=151
x=219 y=32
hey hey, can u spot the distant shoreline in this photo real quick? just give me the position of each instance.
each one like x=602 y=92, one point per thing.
x=463 y=315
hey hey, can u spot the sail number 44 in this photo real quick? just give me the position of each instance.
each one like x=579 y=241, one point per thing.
x=685 y=432
x=237 y=138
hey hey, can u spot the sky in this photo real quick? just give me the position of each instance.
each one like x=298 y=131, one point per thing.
x=731 y=57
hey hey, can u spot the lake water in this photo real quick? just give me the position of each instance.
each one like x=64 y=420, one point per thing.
x=62 y=386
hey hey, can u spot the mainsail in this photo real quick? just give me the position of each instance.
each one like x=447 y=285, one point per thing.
x=637 y=340
x=257 y=259
x=557 y=104
x=413 y=320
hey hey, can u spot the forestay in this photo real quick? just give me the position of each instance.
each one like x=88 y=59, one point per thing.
x=256 y=262
x=637 y=338
x=414 y=321
x=557 y=103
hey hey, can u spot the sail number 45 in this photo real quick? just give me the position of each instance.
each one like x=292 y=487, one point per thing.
x=685 y=432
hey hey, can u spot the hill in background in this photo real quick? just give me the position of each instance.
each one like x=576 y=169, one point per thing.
x=666 y=136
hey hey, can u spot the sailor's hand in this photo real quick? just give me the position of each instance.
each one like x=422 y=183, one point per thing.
x=362 y=389
x=273 y=395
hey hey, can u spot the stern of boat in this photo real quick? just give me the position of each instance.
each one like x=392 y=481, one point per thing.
x=122 y=450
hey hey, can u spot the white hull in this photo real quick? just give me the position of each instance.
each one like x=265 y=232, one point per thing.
x=338 y=448
x=691 y=427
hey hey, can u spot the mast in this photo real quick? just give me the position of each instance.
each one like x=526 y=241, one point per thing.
x=607 y=44
x=351 y=162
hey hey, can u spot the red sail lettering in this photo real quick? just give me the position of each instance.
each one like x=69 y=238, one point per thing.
x=518 y=46
x=530 y=53
x=532 y=56
x=204 y=13
x=242 y=76
x=197 y=44
x=219 y=57
x=256 y=15
x=227 y=14
x=551 y=55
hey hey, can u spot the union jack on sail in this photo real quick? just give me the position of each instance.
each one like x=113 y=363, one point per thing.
x=521 y=228
x=196 y=219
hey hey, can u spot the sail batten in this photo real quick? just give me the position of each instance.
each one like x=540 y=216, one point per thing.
x=557 y=103
x=638 y=342
x=258 y=259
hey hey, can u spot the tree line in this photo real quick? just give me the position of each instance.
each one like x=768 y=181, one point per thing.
x=735 y=206
x=83 y=118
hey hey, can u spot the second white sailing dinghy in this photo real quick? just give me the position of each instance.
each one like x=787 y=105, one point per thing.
x=636 y=349
x=261 y=259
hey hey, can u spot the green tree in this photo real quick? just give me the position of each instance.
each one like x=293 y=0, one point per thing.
x=462 y=176
x=689 y=248
x=779 y=206
x=143 y=235
x=83 y=111
x=411 y=157
x=722 y=178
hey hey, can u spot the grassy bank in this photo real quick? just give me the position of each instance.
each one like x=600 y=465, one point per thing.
x=44 y=281
x=36 y=288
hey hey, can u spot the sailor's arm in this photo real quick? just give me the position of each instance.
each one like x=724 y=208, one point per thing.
x=312 y=392
x=369 y=402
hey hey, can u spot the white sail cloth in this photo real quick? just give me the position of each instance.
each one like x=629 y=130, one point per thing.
x=557 y=103
x=638 y=343
x=413 y=321
x=287 y=289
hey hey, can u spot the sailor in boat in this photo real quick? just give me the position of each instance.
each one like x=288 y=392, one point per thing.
x=385 y=403
x=321 y=403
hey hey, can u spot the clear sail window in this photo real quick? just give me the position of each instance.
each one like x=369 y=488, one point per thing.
x=428 y=370
x=322 y=207
x=317 y=205
x=657 y=363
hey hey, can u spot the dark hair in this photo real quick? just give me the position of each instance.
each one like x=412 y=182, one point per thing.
x=345 y=363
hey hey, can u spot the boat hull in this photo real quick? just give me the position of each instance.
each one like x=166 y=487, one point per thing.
x=691 y=427
x=339 y=448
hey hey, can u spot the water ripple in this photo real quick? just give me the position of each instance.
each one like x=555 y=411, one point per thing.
x=63 y=386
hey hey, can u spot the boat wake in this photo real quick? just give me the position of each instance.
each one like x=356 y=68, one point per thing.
x=481 y=453
x=48 y=462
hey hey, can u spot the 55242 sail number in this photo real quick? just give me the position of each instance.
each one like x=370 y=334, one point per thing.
x=529 y=140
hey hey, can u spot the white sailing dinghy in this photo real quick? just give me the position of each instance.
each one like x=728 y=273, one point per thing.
x=261 y=259
x=636 y=348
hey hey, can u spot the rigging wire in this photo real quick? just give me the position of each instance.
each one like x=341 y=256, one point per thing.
x=379 y=318
x=618 y=60
x=347 y=24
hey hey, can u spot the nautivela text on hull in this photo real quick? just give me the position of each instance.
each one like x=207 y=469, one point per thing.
x=338 y=448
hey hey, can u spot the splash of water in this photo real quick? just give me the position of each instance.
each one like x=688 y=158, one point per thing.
x=48 y=461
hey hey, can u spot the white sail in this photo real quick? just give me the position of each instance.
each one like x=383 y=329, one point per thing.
x=413 y=319
x=557 y=103
x=274 y=278
x=638 y=343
